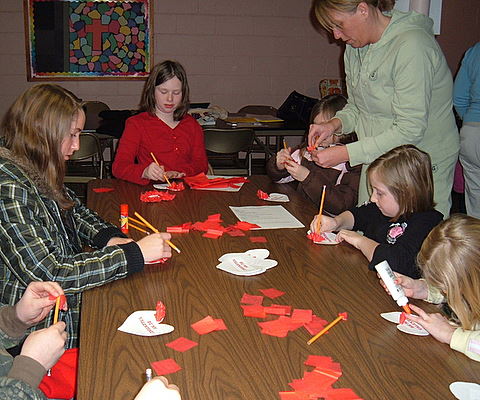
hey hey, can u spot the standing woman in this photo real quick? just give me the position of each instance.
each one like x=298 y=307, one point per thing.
x=43 y=225
x=163 y=128
x=399 y=90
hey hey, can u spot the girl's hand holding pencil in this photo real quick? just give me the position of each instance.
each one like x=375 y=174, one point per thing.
x=155 y=246
x=283 y=156
x=327 y=224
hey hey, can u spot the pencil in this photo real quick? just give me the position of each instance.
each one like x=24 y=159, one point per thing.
x=324 y=330
x=57 y=309
x=149 y=225
x=320 y=210
x=138 y=228
x=137 y=221
x=166 y=178
x=154 y=158
x=285 y=145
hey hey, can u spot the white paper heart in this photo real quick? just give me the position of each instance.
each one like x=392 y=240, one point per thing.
x=240 y=269
x=465 y=390
x=328 y=238
x=409 y=327
x=252 y=262
x=143 y=323
x=278 y=197
x=161 y=186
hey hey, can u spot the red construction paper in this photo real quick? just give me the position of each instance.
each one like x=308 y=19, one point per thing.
x=182 y=344
x=235 y=232
x=272 y=293
x=258 y=239
x=245 y=226
x=164 y=367
x=344 y=315
x=262 y=195
x=303 y=316
x=315 y=237
x=254 y=311
x=177 y=229
x=103 y=190
x=341 y=394
x=211 y=235
x=315 y=325
x=160 y=311
x=403 y=317
x=202 y=181
x=154 y=196
x=63 y=301
x=176 y=186
x=251 y=299
x=287 y=310
x=294 y=396
x=321 y=362
x=215 y=217
x=208 y=324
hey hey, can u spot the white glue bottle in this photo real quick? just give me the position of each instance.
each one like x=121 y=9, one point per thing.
x=395 y=290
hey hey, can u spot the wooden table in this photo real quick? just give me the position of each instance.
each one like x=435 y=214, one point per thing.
x=378 y=361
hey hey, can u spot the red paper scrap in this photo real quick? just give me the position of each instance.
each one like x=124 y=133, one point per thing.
x=103 y=190
x=341 y=394
x=315 y=325
x=245 y=226
x=251 y=299
x=182 y=344
x=272 y=293
x=303 y=316
x=344 y=315
x=160 y=311
x=235 y=232
x=177 y=229
x=403 y=317
x=176 y=186
x=316 y=237
x=258 y=239
x=255 y=311
x=211 y=235
x=294 y=396
x=277 y=309
x=215 y=217
x=202 y=181
x=322 y=362
x=207 y=325
x=63 y=301
x=262 y=195
x=154 y=196
x=164 y=367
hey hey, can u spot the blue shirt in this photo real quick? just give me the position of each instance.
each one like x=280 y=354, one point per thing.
x=466 y=91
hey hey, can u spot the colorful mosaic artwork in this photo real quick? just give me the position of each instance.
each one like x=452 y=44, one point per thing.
x=105 y=38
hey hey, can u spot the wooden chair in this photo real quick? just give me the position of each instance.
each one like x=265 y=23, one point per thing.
x=223 y=147
x=87 y=162
x=258 y=110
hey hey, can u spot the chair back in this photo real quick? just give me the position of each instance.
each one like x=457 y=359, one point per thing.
x=87 y=162
x=258 y=110
x=228 y=143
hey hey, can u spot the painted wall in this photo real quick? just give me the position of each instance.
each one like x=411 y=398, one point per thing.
x=235 y=52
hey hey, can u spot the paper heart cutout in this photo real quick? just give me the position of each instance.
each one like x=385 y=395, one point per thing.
x=408 y=326
x=324 y=238
x=465 y=390
x=143 y=323
x=252 y=262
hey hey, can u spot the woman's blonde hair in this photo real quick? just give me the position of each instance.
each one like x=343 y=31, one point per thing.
x=323 y=8
x=406 y=171
x=450 y=261
x=161 y=73
x=34 y=128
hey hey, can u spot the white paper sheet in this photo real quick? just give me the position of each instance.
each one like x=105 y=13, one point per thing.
x=267 y=217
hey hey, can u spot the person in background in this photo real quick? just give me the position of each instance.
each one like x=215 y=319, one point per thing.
x=399 y=90
x=163 y=128
x=466 y=99
x=158 y=389
x=20 y=376
x=449 y=264
x=400 y=215
x=44 y=227
x=341 y=180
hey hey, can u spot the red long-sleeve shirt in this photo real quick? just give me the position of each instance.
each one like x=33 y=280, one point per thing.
x=179 y=149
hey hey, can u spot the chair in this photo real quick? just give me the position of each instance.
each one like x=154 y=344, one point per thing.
x=92 y=123
x=87 y=162
x=258 y=110
x=223 y=147
x=332 y=86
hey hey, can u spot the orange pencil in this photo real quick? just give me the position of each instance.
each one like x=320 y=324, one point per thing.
x=138 y=229
x=136 y=221
x=285 y=146
x=324 y=330
x=166 y=178
x=57 y=309
x=320 y=210
x=154 y=158
x=149 y=225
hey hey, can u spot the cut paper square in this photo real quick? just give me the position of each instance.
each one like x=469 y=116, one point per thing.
x=303 y=316
x=272 y=293
x=207 y=325
x=251 y=299
x=254 y=311
x=282 y=310
x=164 y=367
x=220 y=325
x=294 y=396
x=258 y=239
x=342 y=394
x=235 y=232
x=182 y=344
x=316 y=325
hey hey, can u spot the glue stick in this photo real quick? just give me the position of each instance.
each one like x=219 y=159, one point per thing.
x=124 y=218
x=395 y=290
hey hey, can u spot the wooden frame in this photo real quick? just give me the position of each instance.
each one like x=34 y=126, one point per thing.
x=88 y=39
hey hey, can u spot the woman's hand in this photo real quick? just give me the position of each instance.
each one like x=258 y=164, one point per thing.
x=297 y=171
x=154 y=246
x=282 y=157
x=413 y=288
x=319 y=132
x=158 y=389
x=330 y=156
x=35 y=303
x=436 y=324
x=46 y=346
x=327 y=224
x=154 y=172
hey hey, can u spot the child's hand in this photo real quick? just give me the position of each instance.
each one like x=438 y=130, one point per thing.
x=154 y=246
x=173 y=175
x=158 y=389
x=35 y=303
x=297 y=171
x=413 y=288
x=282 y=157
x=327 y=224
x=436 y=324
x=154 y=172
x=354 y=238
